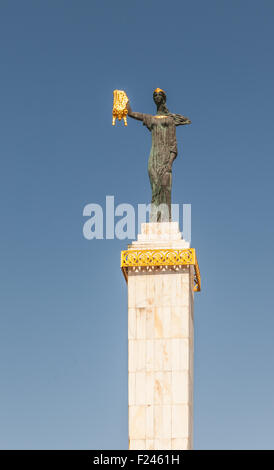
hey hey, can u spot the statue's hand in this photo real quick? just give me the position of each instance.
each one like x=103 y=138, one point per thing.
x=129 y=108
x=169 y=166
x=172 y=157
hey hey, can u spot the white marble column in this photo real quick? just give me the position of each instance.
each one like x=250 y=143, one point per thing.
x=160 y=346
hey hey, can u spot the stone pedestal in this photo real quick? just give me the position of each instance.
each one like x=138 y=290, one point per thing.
x=162 y=274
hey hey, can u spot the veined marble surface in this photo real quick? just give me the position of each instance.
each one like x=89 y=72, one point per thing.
x=160 y=347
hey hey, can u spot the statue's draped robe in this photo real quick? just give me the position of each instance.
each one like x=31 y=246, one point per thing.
x=164 y=142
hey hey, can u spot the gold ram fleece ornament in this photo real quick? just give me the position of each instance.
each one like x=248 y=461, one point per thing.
x=119 y=110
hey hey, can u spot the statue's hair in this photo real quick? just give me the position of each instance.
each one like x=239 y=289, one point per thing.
x=165 y=109
x=164 y=106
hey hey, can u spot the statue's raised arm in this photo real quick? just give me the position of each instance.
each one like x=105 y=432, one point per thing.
x=134 y=115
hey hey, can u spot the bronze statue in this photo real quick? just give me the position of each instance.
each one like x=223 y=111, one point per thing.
x=163 y=153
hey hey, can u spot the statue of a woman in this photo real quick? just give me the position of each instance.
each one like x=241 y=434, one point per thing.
x=163 y=153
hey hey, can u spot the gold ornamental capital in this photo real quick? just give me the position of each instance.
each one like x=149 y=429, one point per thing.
x=161 y=257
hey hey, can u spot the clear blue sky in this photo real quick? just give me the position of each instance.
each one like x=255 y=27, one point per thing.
x=63 y=324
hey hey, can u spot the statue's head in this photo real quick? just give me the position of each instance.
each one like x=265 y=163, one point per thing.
x=159 y=96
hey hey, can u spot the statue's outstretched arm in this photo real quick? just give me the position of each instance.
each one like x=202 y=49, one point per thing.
x=181 y=120
x=138 y=116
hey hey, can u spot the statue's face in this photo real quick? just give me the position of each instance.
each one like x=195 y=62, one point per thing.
x=158 y=97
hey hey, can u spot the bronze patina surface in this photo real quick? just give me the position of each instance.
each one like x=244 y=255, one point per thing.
x=163 y=149
x=163 y=153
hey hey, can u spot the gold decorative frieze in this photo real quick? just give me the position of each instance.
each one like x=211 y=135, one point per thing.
x=161 y=257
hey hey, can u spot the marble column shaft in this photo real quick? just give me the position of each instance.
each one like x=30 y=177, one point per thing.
x=160 y=347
